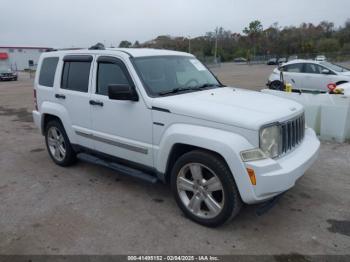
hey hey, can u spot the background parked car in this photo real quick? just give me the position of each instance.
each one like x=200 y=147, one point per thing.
x=240 y=60
x=309 y=75
x=320 y=58
x=7 y=74
x=282 y=60
x=292 y=57
x=272 y=61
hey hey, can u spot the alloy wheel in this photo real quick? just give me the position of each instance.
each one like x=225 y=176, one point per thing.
x=56 y=143
x=200 y=190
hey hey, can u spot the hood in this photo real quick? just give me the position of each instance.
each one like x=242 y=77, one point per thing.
x=5 y=71
x=231 y=106
x=347 y=73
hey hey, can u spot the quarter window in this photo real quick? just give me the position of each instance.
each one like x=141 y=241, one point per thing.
x=109 y=73
x=47 y=71
x=76 y=76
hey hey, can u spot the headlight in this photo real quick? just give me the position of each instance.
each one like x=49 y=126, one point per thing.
x=270 y=138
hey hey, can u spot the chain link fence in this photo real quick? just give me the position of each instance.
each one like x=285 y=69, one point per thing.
x=335 y=57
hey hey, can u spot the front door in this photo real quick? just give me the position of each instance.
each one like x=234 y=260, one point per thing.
x=122 y=129
x=314 y=79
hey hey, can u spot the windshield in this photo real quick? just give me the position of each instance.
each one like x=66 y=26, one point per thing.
x=334 y=67
x=163 y=75
x=5 y=70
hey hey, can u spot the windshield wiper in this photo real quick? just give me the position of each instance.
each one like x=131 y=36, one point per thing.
x=207 y=85
x=175 y=90
x=189 y=88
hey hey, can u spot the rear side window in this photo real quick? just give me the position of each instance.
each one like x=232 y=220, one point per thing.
x=75 y=76
x=47 y=71
x=108 y=74
x=293 y=68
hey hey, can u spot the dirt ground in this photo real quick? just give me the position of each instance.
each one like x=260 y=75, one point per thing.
x=86 y=209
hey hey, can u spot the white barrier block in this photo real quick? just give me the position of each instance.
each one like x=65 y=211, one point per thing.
x=328 y=115
x=335 y=119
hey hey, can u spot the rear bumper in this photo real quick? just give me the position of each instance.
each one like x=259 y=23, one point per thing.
x=37 y=119
x=274 y=177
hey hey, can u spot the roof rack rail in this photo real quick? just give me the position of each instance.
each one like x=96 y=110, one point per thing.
x=50 y=50
x=98 y=46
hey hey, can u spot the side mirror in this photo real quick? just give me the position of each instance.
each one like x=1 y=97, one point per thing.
x=122 y=92
x=326 y=72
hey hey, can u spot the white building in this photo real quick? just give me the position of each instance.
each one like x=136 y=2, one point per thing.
x=20 y=58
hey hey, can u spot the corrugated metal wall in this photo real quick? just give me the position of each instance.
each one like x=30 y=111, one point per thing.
x=19 y=57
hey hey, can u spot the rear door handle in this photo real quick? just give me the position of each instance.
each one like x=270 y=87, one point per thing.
x=95 y=103
x=60 y=96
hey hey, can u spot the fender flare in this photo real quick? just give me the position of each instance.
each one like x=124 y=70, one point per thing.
x=49 y=108
x=227 y=144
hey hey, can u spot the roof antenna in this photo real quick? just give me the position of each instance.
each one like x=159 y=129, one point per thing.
x=98 y=46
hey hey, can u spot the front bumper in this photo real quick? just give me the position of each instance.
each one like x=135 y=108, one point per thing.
x=275 y=176
x=4 y=78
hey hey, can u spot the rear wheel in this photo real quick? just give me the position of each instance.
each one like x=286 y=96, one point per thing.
x=276 y=85
x=204 y=188
x=58 y=145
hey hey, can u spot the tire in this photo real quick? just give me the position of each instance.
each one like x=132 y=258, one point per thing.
x=276 y=85
x=58 y=145
x=341 y=82
x=227 y=199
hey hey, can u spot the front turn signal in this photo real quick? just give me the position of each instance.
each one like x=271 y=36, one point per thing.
x=252 y=177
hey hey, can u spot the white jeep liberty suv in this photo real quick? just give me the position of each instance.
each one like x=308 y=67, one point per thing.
x=162 y=115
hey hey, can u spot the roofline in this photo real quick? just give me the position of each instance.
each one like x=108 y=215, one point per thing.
x=25 y=47
x=296 y=61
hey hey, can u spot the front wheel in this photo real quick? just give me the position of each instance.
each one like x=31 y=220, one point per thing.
x=204 y=188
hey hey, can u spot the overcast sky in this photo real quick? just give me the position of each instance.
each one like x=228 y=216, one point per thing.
x=81 y=23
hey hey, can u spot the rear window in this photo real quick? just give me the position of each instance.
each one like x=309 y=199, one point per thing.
x=76 y=76
x=47 y=71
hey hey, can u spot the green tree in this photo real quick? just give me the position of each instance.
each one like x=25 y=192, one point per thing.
x=254 y=27
x=328 y=45
x=136 y=44
x=125 y=44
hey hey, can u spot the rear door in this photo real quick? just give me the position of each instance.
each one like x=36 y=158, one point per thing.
x=73 y=94
x=293 y=74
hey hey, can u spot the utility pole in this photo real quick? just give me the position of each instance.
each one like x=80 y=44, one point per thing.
x=189 y=44
x=216 y=45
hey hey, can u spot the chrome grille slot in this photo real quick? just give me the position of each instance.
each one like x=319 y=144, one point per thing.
x=292 y=133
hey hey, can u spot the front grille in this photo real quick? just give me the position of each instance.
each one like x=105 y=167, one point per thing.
x=6 y=74
x=292 y=133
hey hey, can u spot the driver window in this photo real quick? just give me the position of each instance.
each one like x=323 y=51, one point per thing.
x=313 y=69
x=107 y=74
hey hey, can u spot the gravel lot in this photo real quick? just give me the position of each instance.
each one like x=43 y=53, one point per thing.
x=86 y=209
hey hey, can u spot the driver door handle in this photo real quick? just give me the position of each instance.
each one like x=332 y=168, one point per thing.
x=95 y=103
x=60 y=96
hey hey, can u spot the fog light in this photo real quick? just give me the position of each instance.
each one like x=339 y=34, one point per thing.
x=252 y=177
